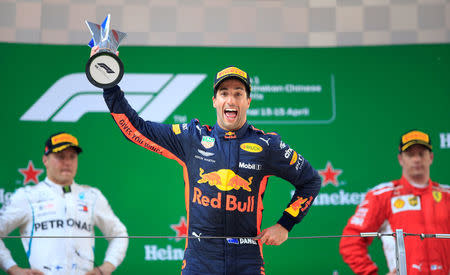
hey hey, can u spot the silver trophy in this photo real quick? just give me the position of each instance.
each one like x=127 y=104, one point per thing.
x=104 y=69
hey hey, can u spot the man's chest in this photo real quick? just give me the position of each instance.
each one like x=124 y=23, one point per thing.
x=420 y=212
x=69 y=212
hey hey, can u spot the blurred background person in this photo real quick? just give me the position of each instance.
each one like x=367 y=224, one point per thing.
x=413 y=203
x=58 y=206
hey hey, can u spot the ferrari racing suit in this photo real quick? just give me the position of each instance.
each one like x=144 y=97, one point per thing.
x=225 y=175
x=400 y=205
x=46 y=209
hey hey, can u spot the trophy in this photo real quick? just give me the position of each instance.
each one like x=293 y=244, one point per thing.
x=104 y=69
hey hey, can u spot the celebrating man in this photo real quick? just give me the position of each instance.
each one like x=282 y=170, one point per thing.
x=226 y=169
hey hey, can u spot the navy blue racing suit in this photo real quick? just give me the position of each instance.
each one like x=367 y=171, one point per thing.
x=225 y=176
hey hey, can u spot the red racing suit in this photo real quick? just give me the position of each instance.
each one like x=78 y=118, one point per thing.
x=400 y=205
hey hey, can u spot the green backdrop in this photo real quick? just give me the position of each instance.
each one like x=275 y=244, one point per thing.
x=345 y=107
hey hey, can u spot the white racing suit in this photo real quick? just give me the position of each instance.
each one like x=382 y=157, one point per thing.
x=46 y=210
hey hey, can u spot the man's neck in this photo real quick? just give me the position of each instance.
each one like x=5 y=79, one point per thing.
x=62 y=183
x=419 y=181
x=229 y=130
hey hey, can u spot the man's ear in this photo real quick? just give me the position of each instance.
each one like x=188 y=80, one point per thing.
x=400 y=159
x=45 y=160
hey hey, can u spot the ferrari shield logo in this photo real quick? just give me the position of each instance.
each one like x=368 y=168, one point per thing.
x=437 y=196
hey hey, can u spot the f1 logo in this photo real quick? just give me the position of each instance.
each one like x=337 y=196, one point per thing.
x=104 y=66
x=154 y=96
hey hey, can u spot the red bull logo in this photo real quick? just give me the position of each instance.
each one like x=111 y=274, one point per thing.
x=225 y=180
x=232 y=203
x=301 y=204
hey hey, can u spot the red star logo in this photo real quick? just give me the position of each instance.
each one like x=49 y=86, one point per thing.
x=30 y=173
x=329 y=175
x=180 y=228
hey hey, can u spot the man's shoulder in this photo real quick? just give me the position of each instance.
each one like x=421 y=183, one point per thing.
x=441 y=187
x=29 y=192
x=270 y=138
x=83 y=188
x=30 y=189
x=192 y=127
x=382 y=188
x=261 y=132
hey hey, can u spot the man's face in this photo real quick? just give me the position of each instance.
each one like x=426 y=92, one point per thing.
x=62 y=166
x=416 y=162
x=231 y=103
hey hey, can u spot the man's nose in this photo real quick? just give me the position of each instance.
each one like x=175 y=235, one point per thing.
x=231 y=101
x=67 y=160
x=416 y=157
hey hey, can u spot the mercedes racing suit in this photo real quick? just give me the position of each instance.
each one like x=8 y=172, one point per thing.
x=225 y=176
x=46 y=210
x=400 y=205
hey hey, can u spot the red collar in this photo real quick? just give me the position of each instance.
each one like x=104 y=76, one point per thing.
x=416 y=191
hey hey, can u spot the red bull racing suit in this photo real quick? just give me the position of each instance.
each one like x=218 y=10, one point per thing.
x=400 y=205
x=225 y=176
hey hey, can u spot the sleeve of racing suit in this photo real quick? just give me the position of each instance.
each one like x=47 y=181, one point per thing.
x=163 y=139
x=14 y=214
x=110 y=225
x=291 y=166
x=369 y=217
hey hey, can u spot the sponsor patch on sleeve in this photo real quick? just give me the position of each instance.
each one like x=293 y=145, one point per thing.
x=176 y=129
x=359 y=217
x=293 y=159
x=301 y=204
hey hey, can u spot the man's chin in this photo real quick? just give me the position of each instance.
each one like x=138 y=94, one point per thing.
x=67 y=177
x=418 y=174
x=230 y=126
x=419 y=171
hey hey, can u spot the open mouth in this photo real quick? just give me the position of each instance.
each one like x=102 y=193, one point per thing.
x=230 y=113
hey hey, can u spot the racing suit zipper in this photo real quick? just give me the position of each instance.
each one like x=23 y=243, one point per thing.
x=227 y=142
x=232 y=163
